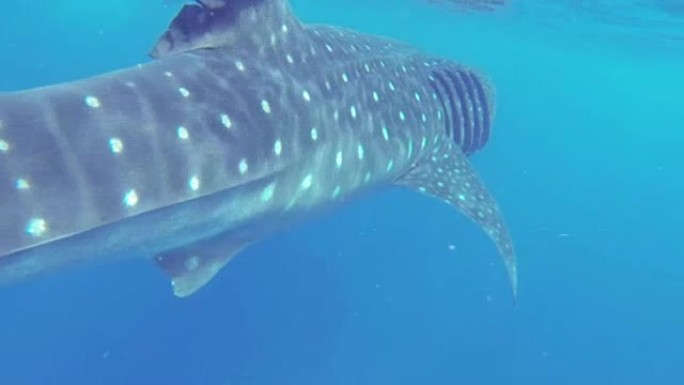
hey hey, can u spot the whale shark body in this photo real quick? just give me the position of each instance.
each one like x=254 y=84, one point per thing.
x=245 y=121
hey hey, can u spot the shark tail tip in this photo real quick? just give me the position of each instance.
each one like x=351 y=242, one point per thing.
x=513 y=280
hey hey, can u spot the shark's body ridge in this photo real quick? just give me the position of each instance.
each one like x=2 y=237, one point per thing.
x=246 y=121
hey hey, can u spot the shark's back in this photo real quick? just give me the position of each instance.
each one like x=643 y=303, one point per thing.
x=246 y=120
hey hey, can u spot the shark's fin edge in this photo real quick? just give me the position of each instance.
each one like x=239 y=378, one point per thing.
x=448 y=176
x=192 y=267
x=211 y=24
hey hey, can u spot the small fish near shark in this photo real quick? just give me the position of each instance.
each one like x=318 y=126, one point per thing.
x=245 y=121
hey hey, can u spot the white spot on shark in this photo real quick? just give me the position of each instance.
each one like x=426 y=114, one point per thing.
x=192 y=263
x=402 y=116
x=4 y=146
x=194 y=183
x=284 y=28
x=338 y=159
x=92 y=102
x=116 y=145
x=391 y=86
x=22 y=184
x=278 y=147
x=344 y=77
x=184 y=91
x=243 y=166
x=240 y=66
x=306 y=96
x=352 y=112
x=131 y=198
x=336 y=191
x=225 y=120
x=168 y=74
x=182 y=133
x=289 y=58
x=328 y=47
x=385 y=134
x=267 y=193
x=265 y=106
x=36 y=227
x=314 y=134
x=307 y=182
x=359 y=151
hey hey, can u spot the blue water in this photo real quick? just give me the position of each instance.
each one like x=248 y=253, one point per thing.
x=585 y=161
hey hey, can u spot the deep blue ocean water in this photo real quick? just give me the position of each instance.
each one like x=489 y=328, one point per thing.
x=585 y=161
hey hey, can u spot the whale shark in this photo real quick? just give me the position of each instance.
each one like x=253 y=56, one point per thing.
x=243 y=120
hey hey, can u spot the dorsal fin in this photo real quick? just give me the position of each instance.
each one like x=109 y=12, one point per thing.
x=226 y=23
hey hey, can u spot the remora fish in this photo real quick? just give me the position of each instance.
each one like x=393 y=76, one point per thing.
x=245 y=121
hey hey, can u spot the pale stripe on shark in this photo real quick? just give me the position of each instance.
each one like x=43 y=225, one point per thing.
x=331 y=151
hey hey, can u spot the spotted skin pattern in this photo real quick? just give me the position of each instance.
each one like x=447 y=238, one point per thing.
x=246 y=121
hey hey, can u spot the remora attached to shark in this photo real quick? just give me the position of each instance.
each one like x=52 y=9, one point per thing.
x=245 y=121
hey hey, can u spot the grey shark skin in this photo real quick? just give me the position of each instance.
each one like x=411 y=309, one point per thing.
x=246 y=121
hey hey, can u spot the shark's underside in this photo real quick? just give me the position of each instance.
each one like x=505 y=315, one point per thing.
x=246 y=121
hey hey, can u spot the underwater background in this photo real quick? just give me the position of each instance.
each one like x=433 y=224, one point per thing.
x=585 y=161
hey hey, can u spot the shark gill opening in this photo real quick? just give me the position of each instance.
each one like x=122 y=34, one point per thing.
x=452 y=100
x=441 y=87
x=465 y=104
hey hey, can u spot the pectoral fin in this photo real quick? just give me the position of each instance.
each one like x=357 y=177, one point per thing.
x=193 y=266
x=448 y=175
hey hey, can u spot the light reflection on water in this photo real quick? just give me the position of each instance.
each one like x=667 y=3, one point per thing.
x=650 y=22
